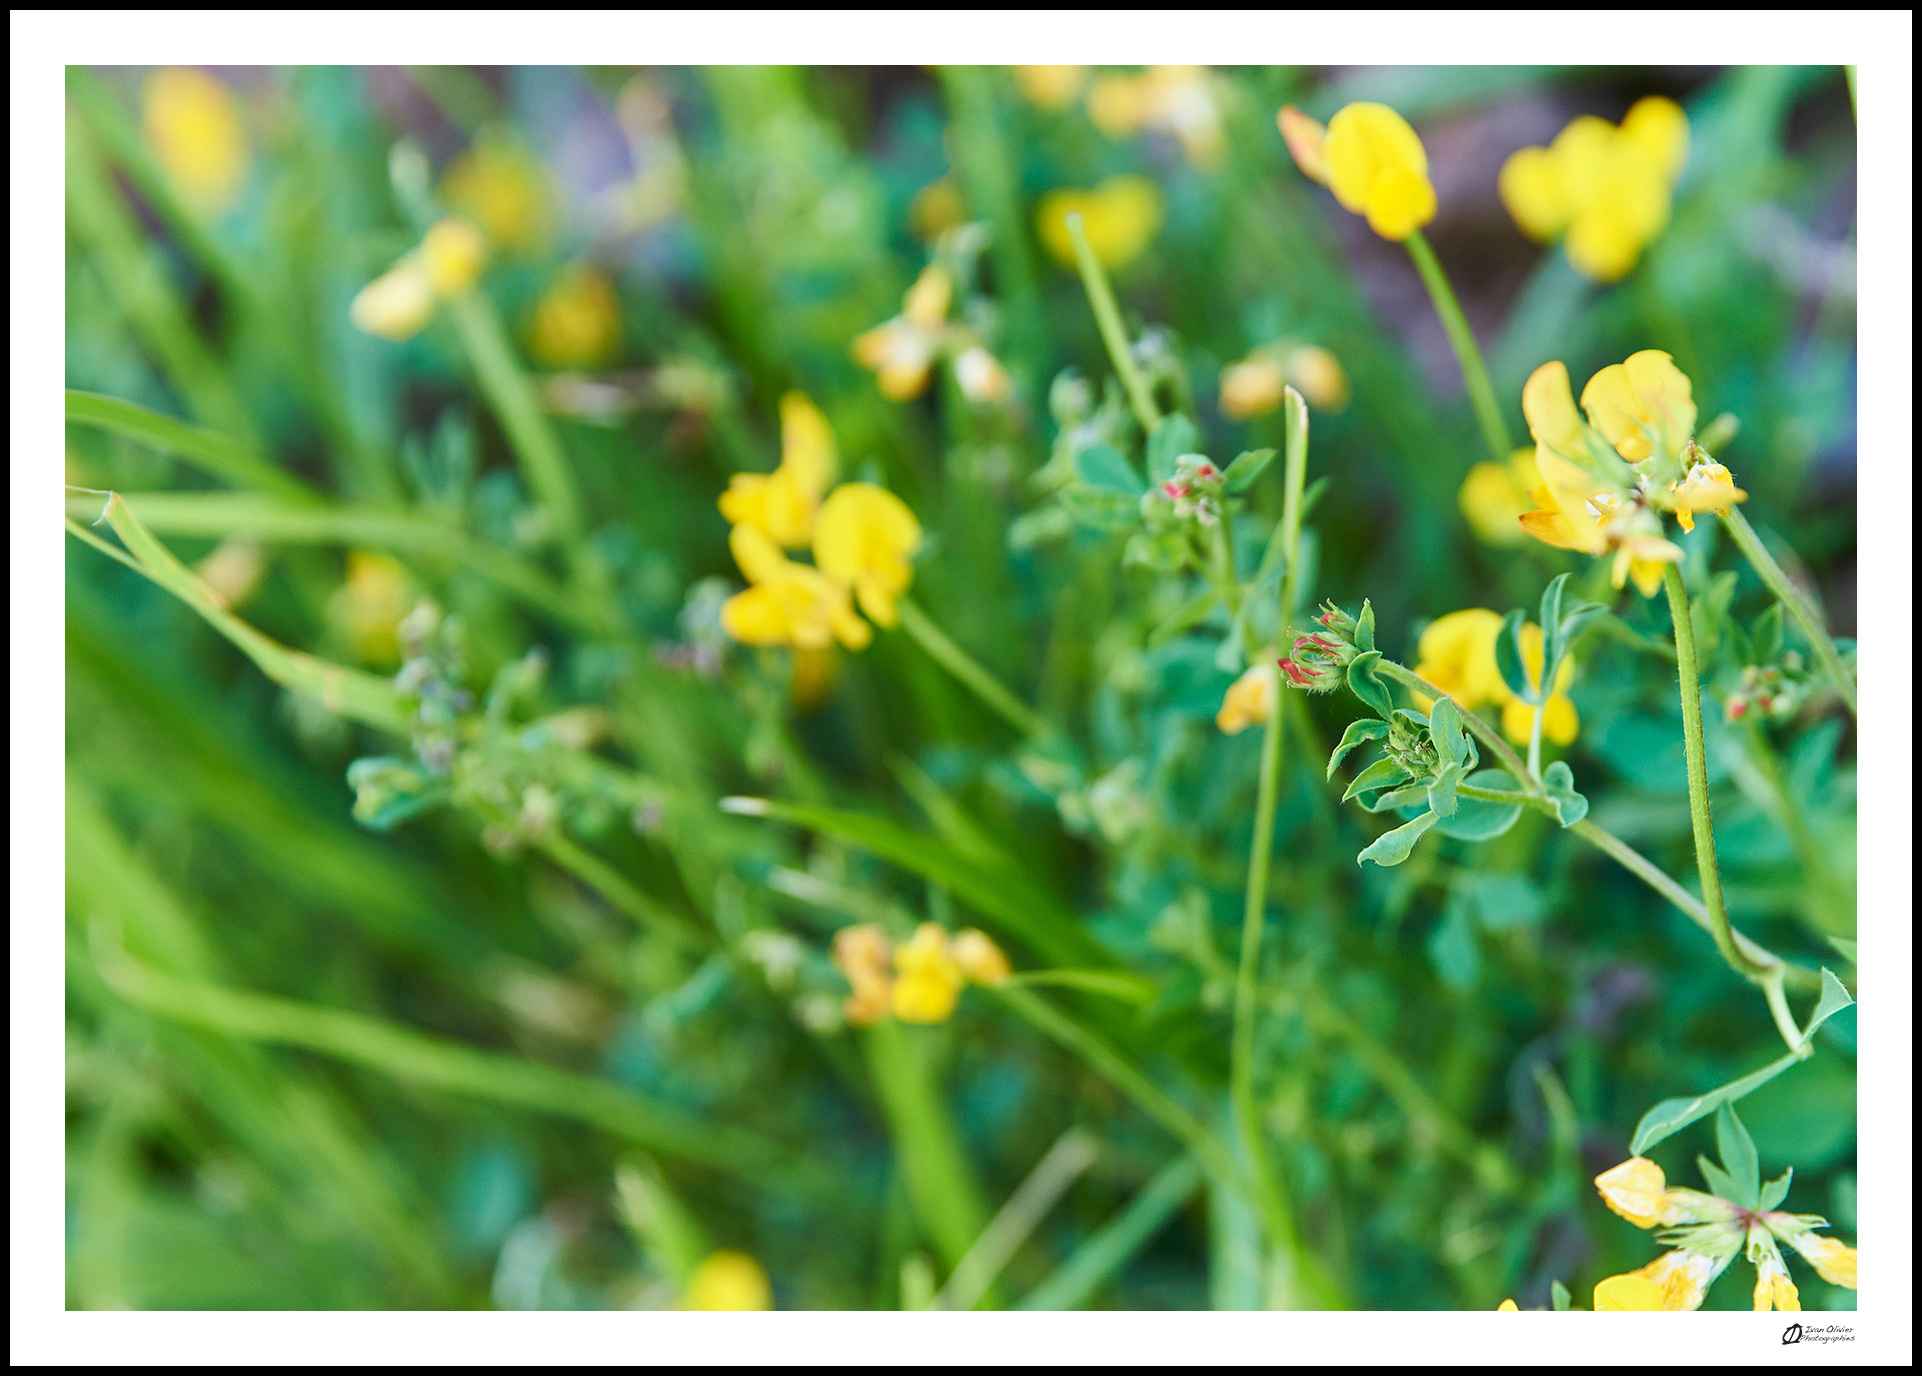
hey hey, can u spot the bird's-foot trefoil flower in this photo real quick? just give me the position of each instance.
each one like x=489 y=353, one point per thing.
x=1178 y=101
x=397 y=305
x=864 y=539
x=782 y=504
x=1251 y=698
x=1373 y=161
x=918 y=981
x=1121 y=217
x=1255 y=385
x=787 y=603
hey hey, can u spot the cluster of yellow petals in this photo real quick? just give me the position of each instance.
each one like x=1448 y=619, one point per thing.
x=1251 y=698
x=192 y=121
x=1255 y=385
x=1774 y=1290
x=398 y=304
x=1373 y=161
x=920 y=980
x=1120 y=217
x=1172 y=100
x=1456 y=653
x=902 y=351
x=577 y=321
x=728 y=1280
x=862 y=537
x=1495 y=496
x=1606 y=188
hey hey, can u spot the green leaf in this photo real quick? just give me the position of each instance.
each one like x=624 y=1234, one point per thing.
x=1766 y=637
x=1847 y=948
x=1738 y=1157
x=1381 y=774
x=1508 y=658
x=1451 y=946
x=1776 y=1190
x=1558 y=782
x=1477 y=820
x=1672 y=1115
x=1365 y=684
x=1719 y=1181
x=1102 y=466
x=1174 y=436
x=205 y=449
x=1551 y=612
x=1834 y=999
x=1393 y=847
x=1445 y=730
x=1365 y=627
x=1246 y=468
x=1413 y=796
x=1441 y=791
x=1558 y=1297
x=1364 y=729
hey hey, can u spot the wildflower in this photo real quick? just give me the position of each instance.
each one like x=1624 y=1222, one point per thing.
x=1456 y=653
x=928 y=978
x=1318 y=375
x=1706 y=486
x=1051 y=87
x=193 y=123
x=979 y=958
x=980 y=376
x=577 y=321
x=1121 y=217
x=862 y=540
x=369 y=605
x=1508 y=1307
x=502 y=189
x=862 y=953
x=1494 y=496
x=728 y=1280
x=787 y=603
x=782 y=504
x=1249 y=699
x=1559 y=720
x=1607 y=189
x=901 y=351
x=1254 y=386
x=1371 y=159
x=398 y=304
x=1174 y=100
x=1707 y=1231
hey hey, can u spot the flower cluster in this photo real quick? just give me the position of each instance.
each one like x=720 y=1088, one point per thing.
x=1606 y=482
x=1120 y=217
x=1195 y=491
x=1254 y=386
x=1315 y=661
x=862 y=538
x=918 y=981
x=1177 y=101
x=1605 y=190
x=902 y=351
x=398 y=304
x=1373 y=161
x=1775 y=691
x=1708 y=1231
x=1456 y=653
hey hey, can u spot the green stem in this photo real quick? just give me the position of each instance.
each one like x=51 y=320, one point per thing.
x=1806 y=615
x=1483 y=732
x=1785 y=1020
x=1535 y=741
x=968 y=670
x=1108 y=316
x=1481 y=392
x=1698 y=808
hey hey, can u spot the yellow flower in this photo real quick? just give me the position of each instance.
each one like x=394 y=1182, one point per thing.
x=1250 y=698
x=1495 y=496
x=1638 y=1191
x=863 y=539
x=979 y=958
x=1683 y=1276
x=577 y=322
x=936 y=208
x=368 y=607
x=927 y=977
x=1607 y=189
x=193 y=123
x=1773 y=1288
x=863 y=955
x=1708 y=486
x=981 y=377
x=452 y=254
x=502 y=189
x=1318 y=375
x=1632 y=1291
x=728 y=1280
x=782 y=504
x=1832 y=1261
x=1252 y=387
x=787 y=603
x=1174 y=100
x=1121 y=217
x=901 y=351
x=1051 y=88
x=1559 y=721
x=1508 y=1307
x=1376 y=167
x=397 y=304
x=1457 y=654
x=1641 y=402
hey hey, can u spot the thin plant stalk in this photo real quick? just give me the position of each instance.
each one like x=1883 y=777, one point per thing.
x=957 y=661
x=1805 y=613
x=1108 y=316
x=1535 y=738
x=1481 y=392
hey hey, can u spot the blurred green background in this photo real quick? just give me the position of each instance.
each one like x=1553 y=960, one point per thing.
x=571 y=1069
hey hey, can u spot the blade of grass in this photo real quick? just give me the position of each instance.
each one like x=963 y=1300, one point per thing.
x=205 y=449
x=1073 y=1152
x=1115 y=1244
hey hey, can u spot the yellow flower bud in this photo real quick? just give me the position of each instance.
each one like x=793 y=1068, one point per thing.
x=577 y=322
x=979 y=958
x=1252 y=387
x=452 y=254
x=193 y=123
x=1249 y=699
x=397 y=304
x=728 y=1280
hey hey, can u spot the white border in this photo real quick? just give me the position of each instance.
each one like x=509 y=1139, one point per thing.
x=41 y=42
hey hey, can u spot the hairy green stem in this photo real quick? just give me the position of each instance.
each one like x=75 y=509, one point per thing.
x=1806 y=615
x=1698 y=809
x=1481 y=392
x=1108 y=316
x=1535 y=740
x=968 y=670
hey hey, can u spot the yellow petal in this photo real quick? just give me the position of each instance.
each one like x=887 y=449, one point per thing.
x=1615 y=410
x=1118 y=105
x=1833 y=1261
x=1647 y=574
x=729 y=1280
x=1401 y=202
x=1531 y=188
x=1664 y=393
x=1560 y=722
x=1051 y=87
x=755 y=616
x=1508 y=1307
x=866 y=534
x=1603 y=244
x=1306 y=139
x=1658 y=131
x=745 y=501
x=807 y=444
x=577 y=322
x=193 y=122
x=926 y=302
x=1318 y=375
x=1457 y=655
x=1366 y=139
x=756 y=553
x=1637 y=1190
x=1249 y=700
x=979 y=958
x=452 y=254
x=1494 y=503
x=1628 y=1292
x=397 y=304
x=1252 y=387
x=1121 y=217
x=1549 y=407
x=502 y=189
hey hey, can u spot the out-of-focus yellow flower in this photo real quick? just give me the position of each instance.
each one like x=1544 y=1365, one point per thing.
x=1121 y=217
x=577 y=322
x=782 y=504
x=1374 y=162
x=452 y=253
x=787 y=603
x=863 y=539
x=1051 y=87
x=233 y=571
x=864 y=956
x=1559 y=720
x=902 y=351
x=397 y=304
x=369 y=605
x=1318 y=375
x=1607 y=189
x=1250 y=698
x=1627 y=1292
x=981 y=377
x=728 y=1280
x=1508 y=1307
x=1494 y=497
x=1254 y=386
x=979 y=958
x=936 y=208
x=1175 y=100
x=193 y=123
x=503 y=189
x=1306 y=139
x=1457 y=654
x=927 y=979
